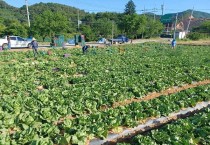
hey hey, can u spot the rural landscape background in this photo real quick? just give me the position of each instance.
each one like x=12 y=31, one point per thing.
x=146 y=83
x=49 y=19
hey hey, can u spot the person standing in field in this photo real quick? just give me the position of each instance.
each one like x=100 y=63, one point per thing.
x=84 y=49
x=34 y=45
x=9 y=42
x=173 y=43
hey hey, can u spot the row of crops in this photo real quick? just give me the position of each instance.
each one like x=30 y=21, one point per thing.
x=55 y=100
x=192 y=130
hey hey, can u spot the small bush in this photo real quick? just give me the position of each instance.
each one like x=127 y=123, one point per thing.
x=195 y=36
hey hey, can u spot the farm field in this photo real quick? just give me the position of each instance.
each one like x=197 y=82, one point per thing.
x=191 y=130
x=53 y=99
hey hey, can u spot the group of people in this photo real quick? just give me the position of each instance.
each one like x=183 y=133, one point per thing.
x=35 y=45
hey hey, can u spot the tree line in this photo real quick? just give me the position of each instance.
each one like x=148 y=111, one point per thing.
x=49 y=19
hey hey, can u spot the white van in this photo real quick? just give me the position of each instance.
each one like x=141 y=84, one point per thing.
x=16 y=42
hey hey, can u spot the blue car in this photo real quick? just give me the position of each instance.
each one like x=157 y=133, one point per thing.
x=119 y=39
x=71 y=41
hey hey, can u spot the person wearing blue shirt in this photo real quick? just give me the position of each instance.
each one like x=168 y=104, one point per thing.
x=173 y=43
x=34 y=46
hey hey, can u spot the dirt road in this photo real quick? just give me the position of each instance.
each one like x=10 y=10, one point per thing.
x=136 y=41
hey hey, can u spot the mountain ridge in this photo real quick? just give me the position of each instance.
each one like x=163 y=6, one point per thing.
x=9 y=12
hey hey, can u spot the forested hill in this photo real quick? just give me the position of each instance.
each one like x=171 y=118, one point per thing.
x=70 y=12
x=4 y=5
x=196 y=14
x=10 y=12
x=49 y=19
x=184 y=15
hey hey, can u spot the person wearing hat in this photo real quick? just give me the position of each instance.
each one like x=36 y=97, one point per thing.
x=34 y=45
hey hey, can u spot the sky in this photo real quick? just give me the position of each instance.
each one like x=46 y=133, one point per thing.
x=170 y=6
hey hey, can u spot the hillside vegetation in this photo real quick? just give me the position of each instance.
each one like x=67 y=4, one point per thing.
x=49 y=19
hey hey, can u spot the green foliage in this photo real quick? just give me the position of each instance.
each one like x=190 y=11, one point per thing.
x=102 y=27
x=153 y=28
x=167 y=18
x=14 y=27
x=206 y=26
x=198 y=14
x=195 y=36
x=136 y=25
x=200 y=32
x=87 y=31
x=133 y=25
x=192 y=130
x=9 y=12
x=93 y=24
x=82 y=86
x=50 y=23
x=130 y=8
x=2 y=28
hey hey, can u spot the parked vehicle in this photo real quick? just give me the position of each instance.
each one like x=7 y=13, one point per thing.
x=166 y=36
x=119 y=39
x=16 y=42
x=103 y=41
x=71 y=41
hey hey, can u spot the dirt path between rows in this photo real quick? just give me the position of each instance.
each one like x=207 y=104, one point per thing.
x=153 y=95
x=150 y=96
x=179 y=42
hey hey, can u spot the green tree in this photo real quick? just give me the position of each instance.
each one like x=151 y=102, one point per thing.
x=130 y=24
x=130 y=8
x=87 y=31
x=200 y=32
x=133 y=25
x=206 y=26
x=154 y=28
x=2 y=26
x=142 y=25
x=14 y=27
x=50 y=23
x=103 y=27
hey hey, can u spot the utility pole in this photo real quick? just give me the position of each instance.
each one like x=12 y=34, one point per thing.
x=162 y=8
x=154 y=10
x=190 y=20
x=167 y=28
x=29 y=24
x=144 y=10
x=78 y=20
x=175 y=26
x=112 y=31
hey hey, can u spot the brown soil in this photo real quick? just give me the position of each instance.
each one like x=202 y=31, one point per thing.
x=200 y=42
x=157 y=94
x=167 y=41
x=136 y=41
x=156 y=125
